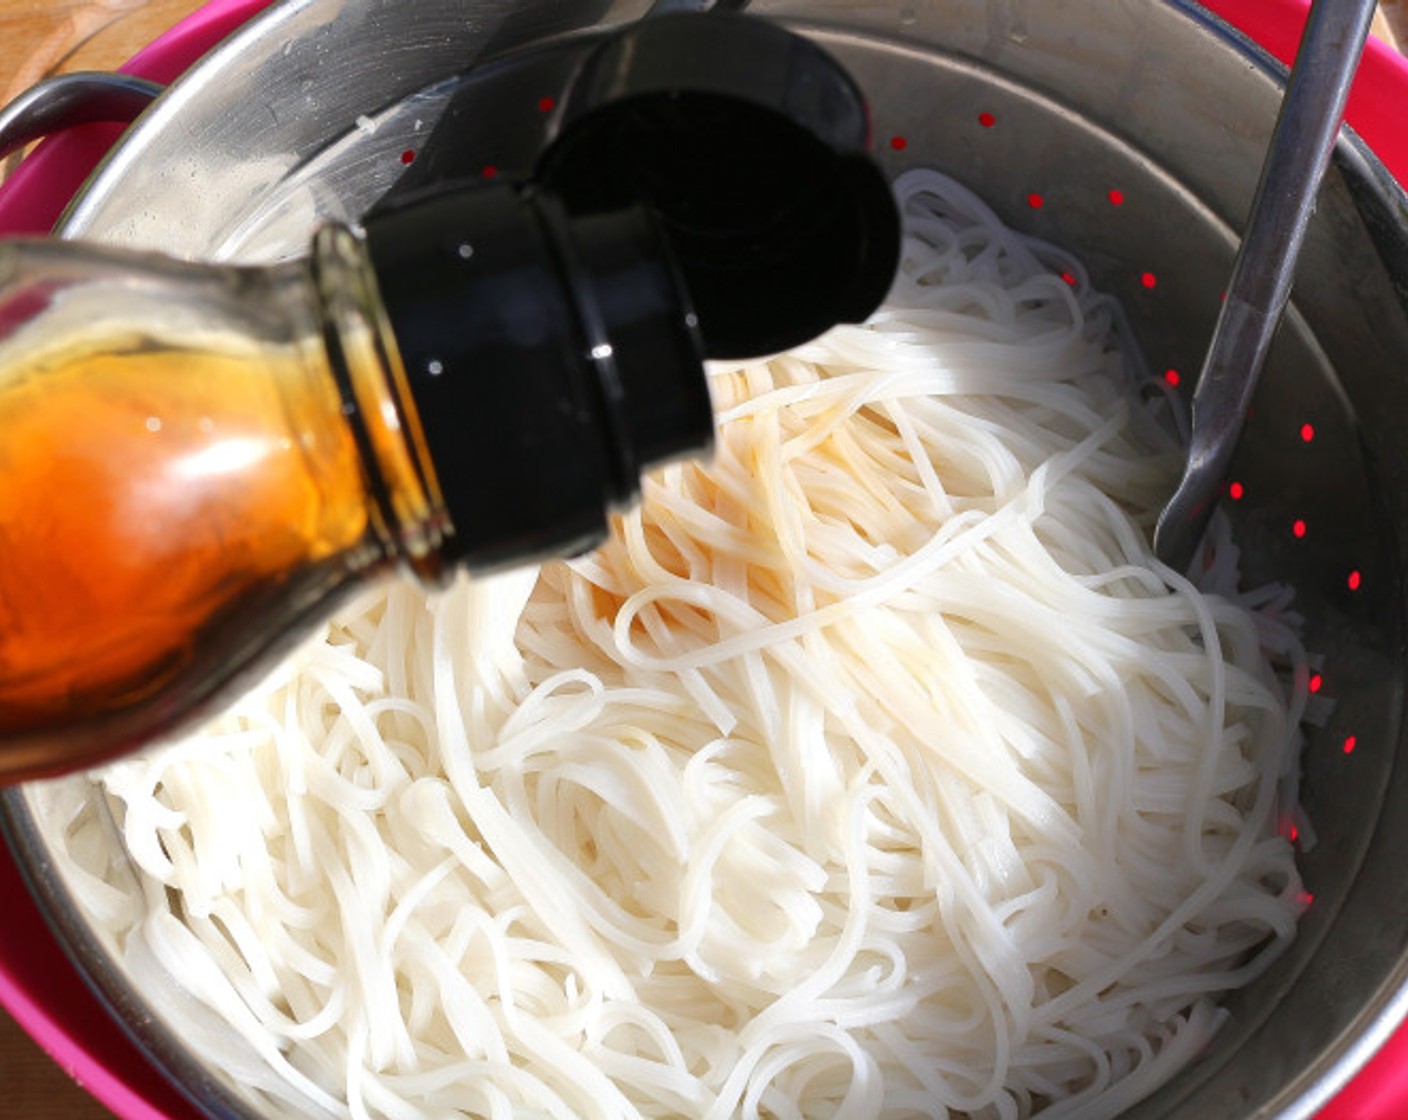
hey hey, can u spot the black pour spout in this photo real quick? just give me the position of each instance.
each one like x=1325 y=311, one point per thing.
x=750 y=144
x=708 y=195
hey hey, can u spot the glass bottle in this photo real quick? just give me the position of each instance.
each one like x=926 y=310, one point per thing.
x=198 y=462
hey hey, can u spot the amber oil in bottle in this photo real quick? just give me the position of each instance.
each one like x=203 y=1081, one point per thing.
x=176 y=497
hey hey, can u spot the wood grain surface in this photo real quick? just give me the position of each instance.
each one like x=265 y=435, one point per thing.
x=33 y=1087
x=40 y=37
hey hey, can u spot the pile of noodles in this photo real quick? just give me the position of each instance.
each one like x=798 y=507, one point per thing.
x=873 y=769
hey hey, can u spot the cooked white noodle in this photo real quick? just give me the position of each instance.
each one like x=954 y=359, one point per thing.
x=875 y=769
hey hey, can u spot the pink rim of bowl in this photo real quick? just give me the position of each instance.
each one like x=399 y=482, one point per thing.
x=38 y=984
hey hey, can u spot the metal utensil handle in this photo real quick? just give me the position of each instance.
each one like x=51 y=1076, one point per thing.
x=1301 y=145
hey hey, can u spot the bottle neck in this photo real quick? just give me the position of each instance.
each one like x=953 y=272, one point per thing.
x=408 y=514
x=550 y=360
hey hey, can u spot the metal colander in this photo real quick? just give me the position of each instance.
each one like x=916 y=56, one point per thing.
x=1129 y=131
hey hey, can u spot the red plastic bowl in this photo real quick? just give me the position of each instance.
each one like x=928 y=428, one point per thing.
x=38 y=985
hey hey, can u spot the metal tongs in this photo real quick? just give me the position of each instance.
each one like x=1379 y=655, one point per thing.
x=1301 y=144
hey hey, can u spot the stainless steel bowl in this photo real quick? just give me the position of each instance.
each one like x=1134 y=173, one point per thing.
x=1131 y=133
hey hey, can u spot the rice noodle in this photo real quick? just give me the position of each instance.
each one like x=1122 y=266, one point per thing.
x=875 y=769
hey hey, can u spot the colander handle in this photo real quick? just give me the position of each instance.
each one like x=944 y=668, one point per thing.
x=60 y=103
x=665 y=7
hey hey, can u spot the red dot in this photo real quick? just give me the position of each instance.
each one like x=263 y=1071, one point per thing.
x=1293 y=835
x=489 y=171
x=1069 y=278
x=1298 y=527
x=987 y=120
x=1315 y=683
x=1306 y=898
x=408 y=156
x=1173 y=377
x=899 y=143
x=1350 y=742
x=546 y=104
x=1307 y=432
x=1148 y=279
x=1355 y=580
x=1236 y=491
x=1117 y=198
x=1035 y=201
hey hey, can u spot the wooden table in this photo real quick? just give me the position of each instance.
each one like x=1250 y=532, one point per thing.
x=33 y=1087
x=38 y=37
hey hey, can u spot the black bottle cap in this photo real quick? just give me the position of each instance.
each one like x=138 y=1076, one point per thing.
x=749 y=143
x=710 y=164
x=551 y=360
